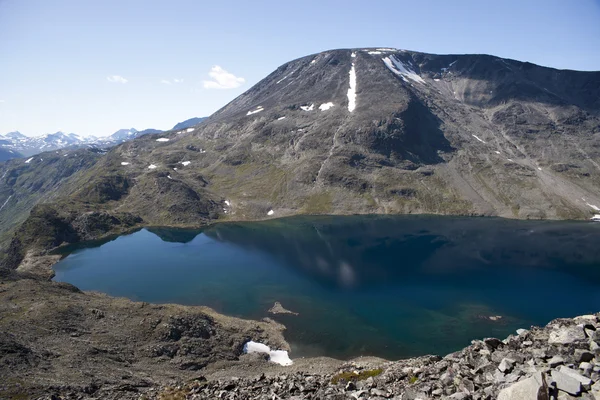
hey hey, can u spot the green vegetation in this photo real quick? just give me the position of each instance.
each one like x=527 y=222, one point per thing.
x=319 y=203
x=348 y=376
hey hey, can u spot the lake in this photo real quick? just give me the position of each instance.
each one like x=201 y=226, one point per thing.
x=389 y=286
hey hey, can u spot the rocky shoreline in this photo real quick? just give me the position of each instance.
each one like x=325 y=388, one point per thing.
x=559 y=361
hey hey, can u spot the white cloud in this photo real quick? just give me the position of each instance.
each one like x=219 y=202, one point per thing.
x=222 y=79
x=116 y=79
x=2 y=101
x=168 y=82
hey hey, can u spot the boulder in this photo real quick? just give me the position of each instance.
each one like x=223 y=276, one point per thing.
x=583 y=355
x=566 y=335
x=586 y=382
x=506 y=365
x=533 y=388
x=556 y=361
x=566 y=383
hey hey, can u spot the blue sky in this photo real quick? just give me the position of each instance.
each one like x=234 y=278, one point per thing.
x=93 y=67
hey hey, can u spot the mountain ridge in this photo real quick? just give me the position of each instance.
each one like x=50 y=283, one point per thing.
x=359 y=131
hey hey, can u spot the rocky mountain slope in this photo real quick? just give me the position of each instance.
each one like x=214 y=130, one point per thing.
x=366 y=131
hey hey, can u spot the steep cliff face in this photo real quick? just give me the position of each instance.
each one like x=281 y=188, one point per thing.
x=367 y=131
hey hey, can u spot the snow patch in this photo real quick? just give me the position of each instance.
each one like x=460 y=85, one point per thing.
x=162 y=139
x=258 y=109
x=539 y=168
x=7 y=202
x=189 y=129
x=403 y=71
x=313 y=61
x=353 y=55
x=308 y=108
x=169 y=176
x=497 y=152
x=281 y=80
x=326 y=106
x=591 y=205
x=596 y=218
x=374 y=52
x=280 y=357
x=152 y=166
x=352 y=90
x=271 y=212
x=185 y=163
x=280 y=118
x=386 y=49
x=29 y=160
x=227 y=203
x=436 y=79
x=510 y=159
x=124 y=163
x=478 y=138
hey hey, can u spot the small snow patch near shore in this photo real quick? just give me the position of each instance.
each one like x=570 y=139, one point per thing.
x=185 y=163
x=152 y=166
x=162 y=139
x=280 y=357
x=308 y=108
x=124 y=163
x=271 y=212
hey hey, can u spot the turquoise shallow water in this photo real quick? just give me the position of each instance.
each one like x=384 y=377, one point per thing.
x=363 y=285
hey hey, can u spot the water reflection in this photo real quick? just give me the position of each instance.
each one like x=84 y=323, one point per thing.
x=361 y=251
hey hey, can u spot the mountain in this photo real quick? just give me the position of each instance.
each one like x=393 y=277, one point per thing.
x=351 y=131
x=8 y=154
x=123 y=134
x=188 y=123
x=16 y=135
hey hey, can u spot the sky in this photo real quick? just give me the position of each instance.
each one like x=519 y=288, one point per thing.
x=93 y=67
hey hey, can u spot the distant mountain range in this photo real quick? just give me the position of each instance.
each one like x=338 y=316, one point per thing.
x=15 y=144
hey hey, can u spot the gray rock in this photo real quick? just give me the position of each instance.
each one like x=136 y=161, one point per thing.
x=566 y=383
x=533 y=388
x=594 y=347
x=493 y=342
x=586 y=367
x=379 y=392
x=595 y=391
x=566 y=335
x=585 y=381
x=506 y=365
x=556 y=361
x=522 y=331
x=460 y=396
x=583 y=355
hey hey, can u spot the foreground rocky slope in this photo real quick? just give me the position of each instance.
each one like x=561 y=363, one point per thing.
x=561 y=360
x=57 y=340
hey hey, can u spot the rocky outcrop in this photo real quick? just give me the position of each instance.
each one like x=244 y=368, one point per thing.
x=559 y=361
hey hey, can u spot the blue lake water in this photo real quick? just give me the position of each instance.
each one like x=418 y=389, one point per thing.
x=392 y=287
